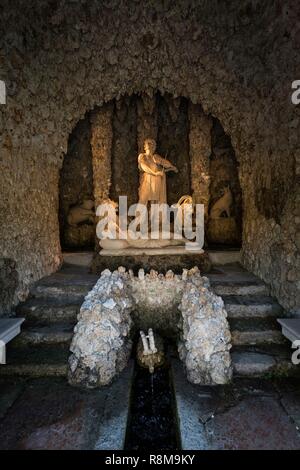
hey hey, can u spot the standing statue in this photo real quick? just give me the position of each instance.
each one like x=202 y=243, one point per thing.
x=153 y=167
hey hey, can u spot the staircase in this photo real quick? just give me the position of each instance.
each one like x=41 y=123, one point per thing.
x=42 y=349
x=258 y=347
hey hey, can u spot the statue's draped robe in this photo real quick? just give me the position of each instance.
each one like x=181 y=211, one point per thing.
x=153 y=186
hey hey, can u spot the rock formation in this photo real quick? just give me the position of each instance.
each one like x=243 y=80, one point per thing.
x=120 y=303
x=101 y=344
x=205 y=339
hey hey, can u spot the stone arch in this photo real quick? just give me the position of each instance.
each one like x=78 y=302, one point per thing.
x=212 y=54
x=101 y=162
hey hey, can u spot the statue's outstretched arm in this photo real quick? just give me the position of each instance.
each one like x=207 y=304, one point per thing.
x=144 y=167
x=164 y=163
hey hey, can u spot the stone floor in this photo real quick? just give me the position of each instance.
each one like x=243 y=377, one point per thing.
x=246 y=415
x=49 y=414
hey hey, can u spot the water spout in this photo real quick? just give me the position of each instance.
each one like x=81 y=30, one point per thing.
x=146 y=347
x=149 y=354
x=151 y=341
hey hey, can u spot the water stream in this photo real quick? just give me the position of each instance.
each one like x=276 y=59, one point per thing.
x=152 y=418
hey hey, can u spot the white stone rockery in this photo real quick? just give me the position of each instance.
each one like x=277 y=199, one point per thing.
x=205 y=338
x=181 y=303
x=101 y=344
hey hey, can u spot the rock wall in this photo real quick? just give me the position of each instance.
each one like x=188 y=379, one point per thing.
x=173 y=144
x=29 y=215
x=75 y=185
x=236 y=59
x=8 y=285
x=101 y=143
x=147 y=119
x=125 y=173
x=200 y=152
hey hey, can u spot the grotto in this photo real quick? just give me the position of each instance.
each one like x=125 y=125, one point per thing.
x=185 y=103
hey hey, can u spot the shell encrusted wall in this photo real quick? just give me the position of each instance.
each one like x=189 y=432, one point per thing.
x=237 y=59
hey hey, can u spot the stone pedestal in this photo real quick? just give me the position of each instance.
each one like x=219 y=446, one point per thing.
x=161 y=263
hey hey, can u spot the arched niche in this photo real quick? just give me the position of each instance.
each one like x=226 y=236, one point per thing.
x=101 y=162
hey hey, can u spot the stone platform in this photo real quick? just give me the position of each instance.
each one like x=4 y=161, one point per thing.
x=162 y=260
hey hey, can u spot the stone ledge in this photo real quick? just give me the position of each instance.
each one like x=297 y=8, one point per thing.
x=169 y=250
x=224 y=257
x=161 y=263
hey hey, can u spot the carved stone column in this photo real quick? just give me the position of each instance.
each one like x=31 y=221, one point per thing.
x=200 y=150
x=147 y=120
x=101 y=144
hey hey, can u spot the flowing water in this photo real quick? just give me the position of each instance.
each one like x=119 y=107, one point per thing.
x=152 y=419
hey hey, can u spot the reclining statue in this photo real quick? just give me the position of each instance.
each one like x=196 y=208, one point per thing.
x=127 y=240
x=81 y=213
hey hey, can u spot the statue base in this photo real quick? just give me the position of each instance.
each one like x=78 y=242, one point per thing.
x=175 y=258
x=168 y=250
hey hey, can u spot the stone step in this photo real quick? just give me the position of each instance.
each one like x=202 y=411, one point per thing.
x=64 y=285
x=57 y=333
x=242 y=306
x=73 y=293
x=249 y=362
x=239 y=288
x=265 y=361
x=241 y=338
x=36 y=361
x=255 y=332
x=49 y=310
x=233 y=279
x=243 y=332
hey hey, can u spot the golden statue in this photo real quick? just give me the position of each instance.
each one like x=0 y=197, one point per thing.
x=153 y=167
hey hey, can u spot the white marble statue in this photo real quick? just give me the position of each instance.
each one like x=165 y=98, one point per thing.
x=158 y=240
x=152 y=190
